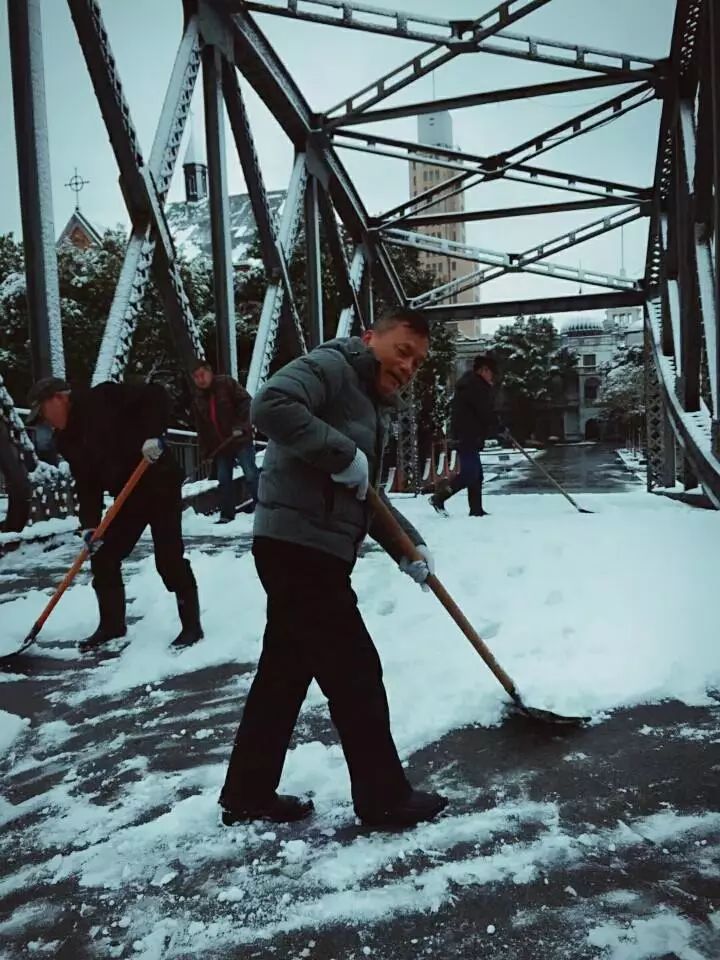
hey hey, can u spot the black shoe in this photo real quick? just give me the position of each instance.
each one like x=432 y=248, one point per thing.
x=418 y=807
x=224 y=520
x=188 y=636
x=101 y=636
x=280 y=809
x=437 y=502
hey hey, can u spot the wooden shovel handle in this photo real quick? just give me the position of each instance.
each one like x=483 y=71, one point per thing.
x=408 y=549
x=112 y=512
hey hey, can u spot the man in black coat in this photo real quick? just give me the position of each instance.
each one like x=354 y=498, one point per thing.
x=473 y=421
x=103 y=433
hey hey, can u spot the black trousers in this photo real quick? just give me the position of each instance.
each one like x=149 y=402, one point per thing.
x=314 y=630
x=158 y=505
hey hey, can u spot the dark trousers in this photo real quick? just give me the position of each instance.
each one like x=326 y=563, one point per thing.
x=224 y=464
x=314 y=630
x=158 y=505
x=470 y=478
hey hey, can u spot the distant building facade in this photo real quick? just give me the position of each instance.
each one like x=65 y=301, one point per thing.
x=435 y=129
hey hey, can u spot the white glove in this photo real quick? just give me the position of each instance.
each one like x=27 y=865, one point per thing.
x=419 y=570
x=92 y=545
x=152 y=449
x=356 y=474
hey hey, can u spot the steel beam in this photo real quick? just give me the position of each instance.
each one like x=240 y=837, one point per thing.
x=359 y=274
x=33 y=155
x=219 y=212
x=268 y=327
x=504 y=261
x=713 y=344
x=251 y=170
x=450 y=313
x=259 y=63
x=577 y=126
x=507 y=213
x=313 y=265
x=521 y=261
x=140 y=252
x=347 y=290
x=526 y=92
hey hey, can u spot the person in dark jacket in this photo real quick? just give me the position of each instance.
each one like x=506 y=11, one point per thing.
x=103 y=433
x=473 y=421
x=222 y=415
x=326 y=416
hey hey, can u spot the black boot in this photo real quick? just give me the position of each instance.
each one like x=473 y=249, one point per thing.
x=280 y=808
x=443 y=492
x=111 y=601
x=189 y=611
x=475 y=502
x=418 y=807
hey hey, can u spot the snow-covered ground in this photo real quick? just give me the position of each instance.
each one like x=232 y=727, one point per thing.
x=588 y=613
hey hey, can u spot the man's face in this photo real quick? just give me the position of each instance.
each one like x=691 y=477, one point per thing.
x=400 y=351
x=487 y=375
x=203 y=378
x=55 y=410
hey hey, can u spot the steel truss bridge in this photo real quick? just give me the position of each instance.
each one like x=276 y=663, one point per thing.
x=222 y=41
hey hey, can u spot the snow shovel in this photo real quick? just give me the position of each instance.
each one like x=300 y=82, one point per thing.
x=542 y=469
x=113 y=511
x=407 y=548
x=211 y=456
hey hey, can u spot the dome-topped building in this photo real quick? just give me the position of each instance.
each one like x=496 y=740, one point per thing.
x=582 y=326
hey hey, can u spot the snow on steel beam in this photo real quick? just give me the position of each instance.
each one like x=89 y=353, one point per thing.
x=313 y=260
x=505 y=213
x=346 y=288
x=525 y=92
x=139 y=255
x=474 y=164
x=262 y=67
x=31 y=139
x=577 y=126
x=137 y=182
x=359 y=270
x=693 y=430
x=268 y=327
x=509 y=161
x=521 y=261
x=245 y=144
x=480 y=29
x=505 y=261
x=450 y=313
x=219 y=207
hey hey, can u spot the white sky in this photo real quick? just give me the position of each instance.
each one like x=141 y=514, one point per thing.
x=329 y=63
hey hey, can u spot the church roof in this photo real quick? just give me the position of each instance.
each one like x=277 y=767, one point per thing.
x=78 y=221
x=190 y=225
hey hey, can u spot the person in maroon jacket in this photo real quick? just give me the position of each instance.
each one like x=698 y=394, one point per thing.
x=222 y=416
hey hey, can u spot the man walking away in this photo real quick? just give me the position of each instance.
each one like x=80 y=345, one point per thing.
x=103 y=433
x=222 y=415
x=473 y=421
x=326 y=416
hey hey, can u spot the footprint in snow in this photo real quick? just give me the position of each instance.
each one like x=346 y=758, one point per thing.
x=553 y=598
x=515 y=571
x=386 y=607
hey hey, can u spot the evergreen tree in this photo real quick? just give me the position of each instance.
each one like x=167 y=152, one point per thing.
x=534 y=372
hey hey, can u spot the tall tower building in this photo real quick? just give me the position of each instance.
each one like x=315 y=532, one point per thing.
x=435 y=129
x=195 y=169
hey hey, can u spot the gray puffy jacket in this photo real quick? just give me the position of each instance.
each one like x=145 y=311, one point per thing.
x=315 y=412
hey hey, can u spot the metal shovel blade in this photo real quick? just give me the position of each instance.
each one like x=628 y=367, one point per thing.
x=547 y=716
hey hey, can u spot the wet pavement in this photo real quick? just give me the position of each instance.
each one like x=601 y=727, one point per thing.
x=579 y=468
x=605 y=782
